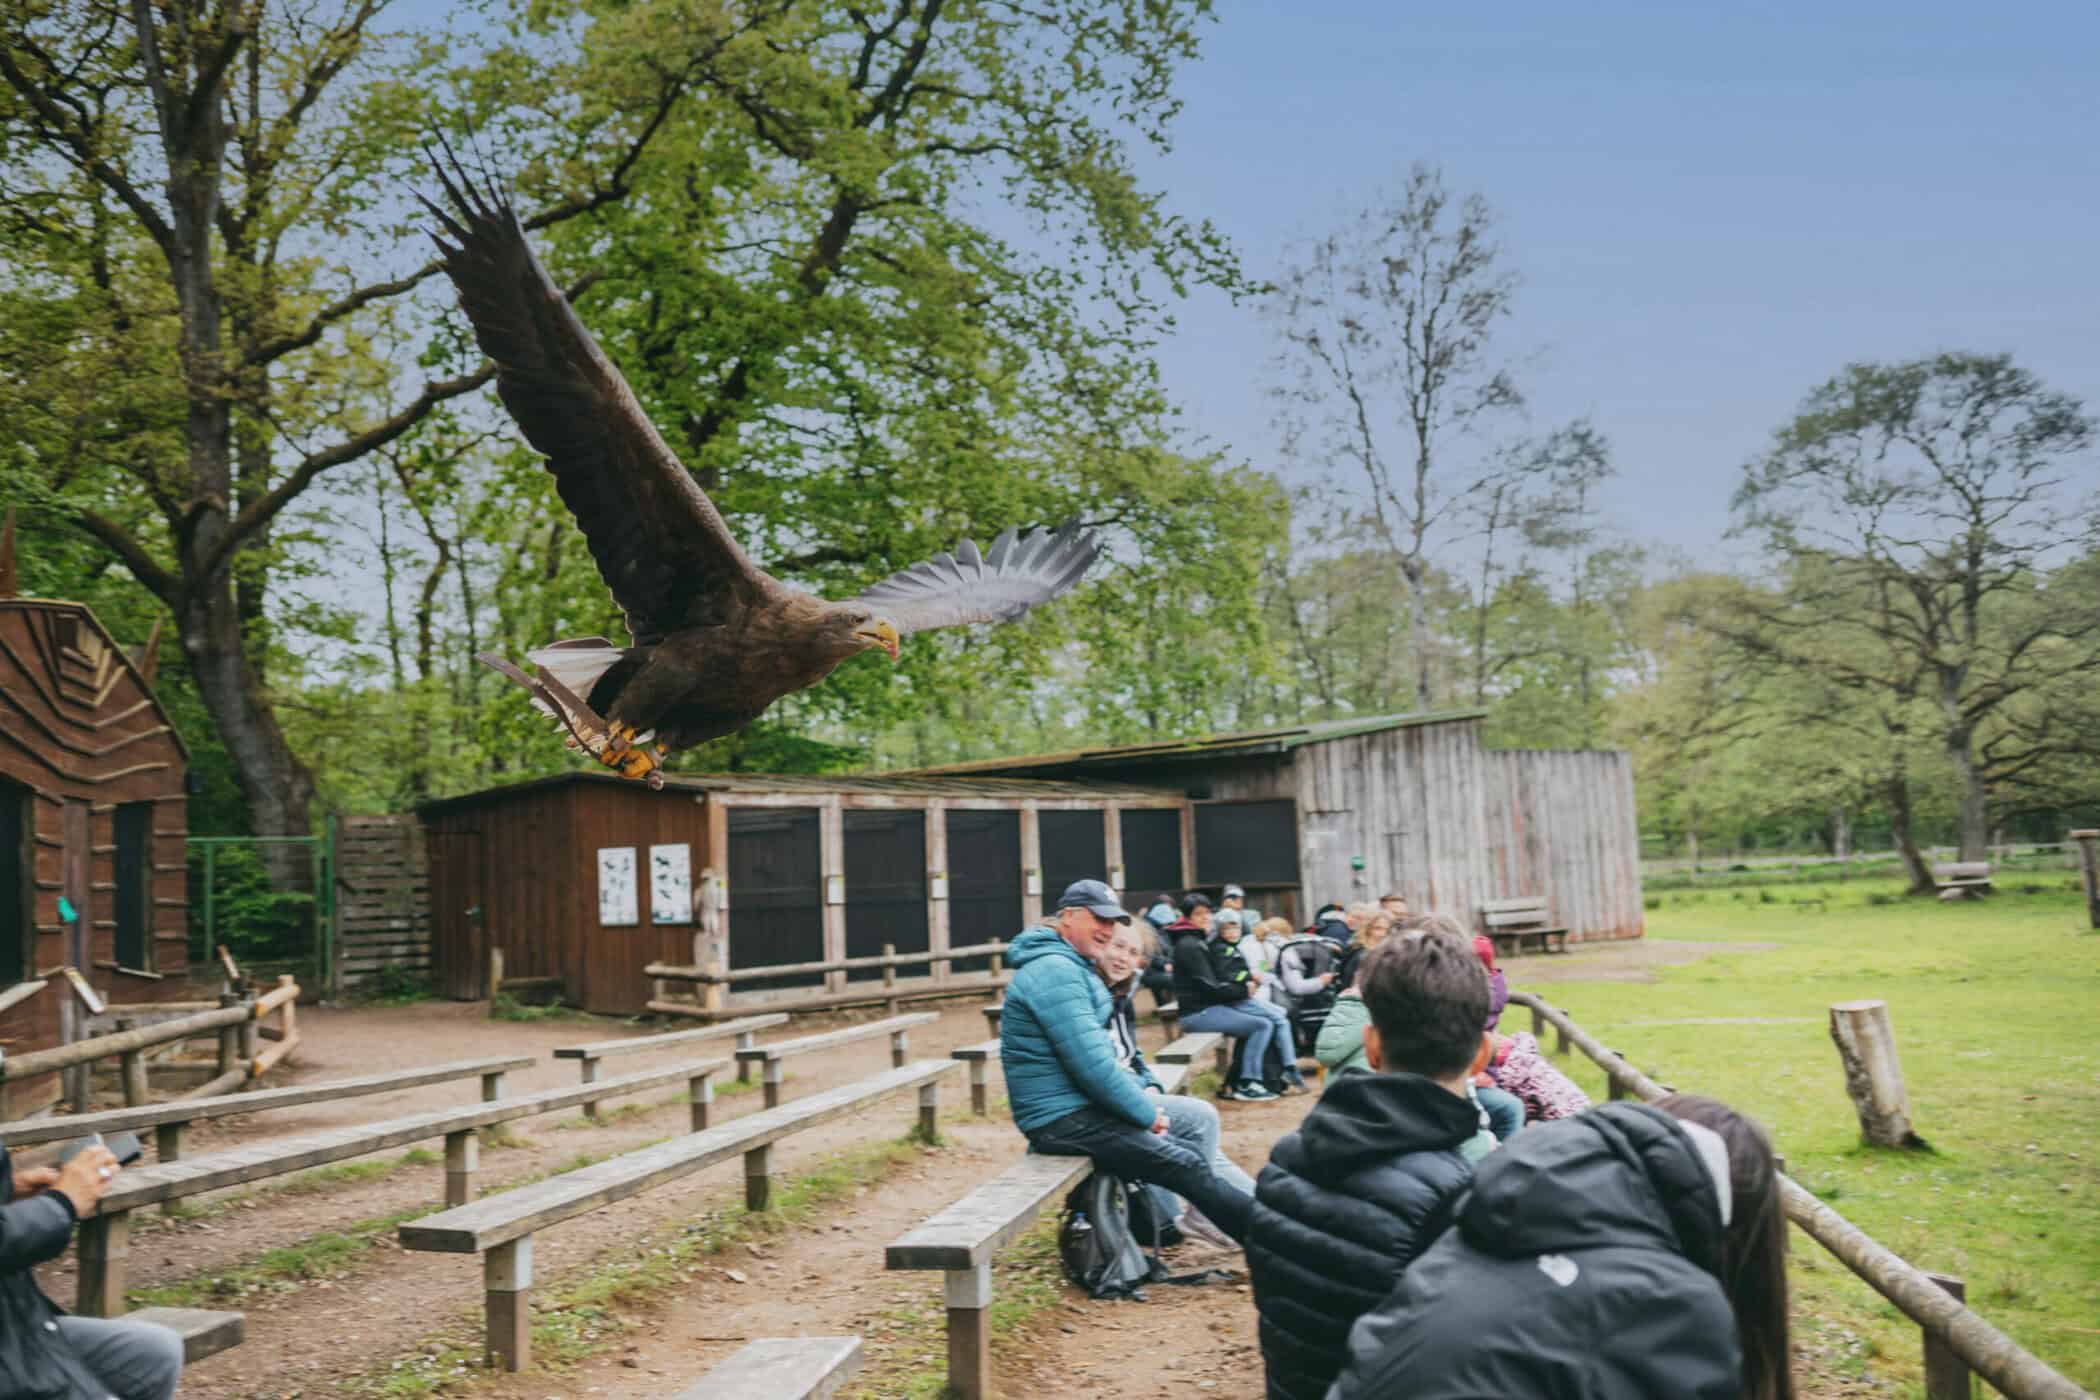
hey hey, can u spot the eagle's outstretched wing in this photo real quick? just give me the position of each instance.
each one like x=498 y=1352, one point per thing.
x=1014 y=575
x=659 y=542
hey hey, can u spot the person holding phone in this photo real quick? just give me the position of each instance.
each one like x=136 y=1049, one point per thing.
x=45 y=1354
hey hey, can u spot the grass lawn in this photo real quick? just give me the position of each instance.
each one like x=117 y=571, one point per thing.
x=1996 y=1008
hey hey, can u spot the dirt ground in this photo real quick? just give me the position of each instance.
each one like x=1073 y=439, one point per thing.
x=381 y=1304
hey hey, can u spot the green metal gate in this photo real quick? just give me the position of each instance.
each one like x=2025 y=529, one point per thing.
x=268 y=899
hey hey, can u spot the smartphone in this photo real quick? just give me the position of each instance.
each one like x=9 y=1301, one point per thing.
x=123 y=1146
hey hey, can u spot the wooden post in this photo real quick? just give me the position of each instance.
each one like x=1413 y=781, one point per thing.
x=980 y=1087
x=590 y=1076
x=889 y=980
x=1538 y=1028
x=249 y=1035
x=492 y=1086
x=937 y=925
x=744 y=1041
x=713 y=994
x=134 y=1070
x=167 y=1142
x=1946 y=1374
x=758 y=1178
x=930 y=1110
x=773 y=1077
x=229 y=1036
x=103 y=1251
x=969 y=1298
x=506 y=1281
x=462 y=1161
x=899 y=1049
x=1560 y=1040
x=2089 y=867
x=700 y=1094
x=1866 y=1046
x=1613 y=1087
x=495 y=973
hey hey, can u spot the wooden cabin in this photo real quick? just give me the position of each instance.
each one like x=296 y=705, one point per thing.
x=588 y=878
x=1411 y=804
x=92 y=821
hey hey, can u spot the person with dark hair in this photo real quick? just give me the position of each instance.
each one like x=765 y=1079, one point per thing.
x=44 y=1354
x=1212 y=986
x=1376 y=1169
x=1636 y=1250
x=1069 y=1094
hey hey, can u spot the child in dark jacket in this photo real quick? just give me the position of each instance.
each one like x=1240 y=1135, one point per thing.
x=1375 y=1171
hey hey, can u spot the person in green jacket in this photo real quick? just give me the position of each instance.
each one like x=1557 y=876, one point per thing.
x=1341 y=1049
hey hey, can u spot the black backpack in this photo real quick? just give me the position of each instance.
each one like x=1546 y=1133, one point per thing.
x=1098 y=1237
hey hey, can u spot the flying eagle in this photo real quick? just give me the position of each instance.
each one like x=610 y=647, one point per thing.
x=715 y=638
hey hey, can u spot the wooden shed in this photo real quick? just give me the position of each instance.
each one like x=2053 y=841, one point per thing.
x=1353 y=809
x=92 y=822
x=589 y=878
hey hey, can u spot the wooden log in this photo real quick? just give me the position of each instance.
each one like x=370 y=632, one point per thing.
x=269 y=1059
x=1866 y=1045
x=80 y=1052
x=1946 y=1374
x=676 y=973
x=19 y=993
x=2089 y=868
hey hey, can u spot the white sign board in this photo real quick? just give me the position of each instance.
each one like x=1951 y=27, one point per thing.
x=617 y=903
x=671 y=884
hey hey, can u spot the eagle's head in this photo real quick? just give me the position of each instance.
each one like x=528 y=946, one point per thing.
x=860 y=627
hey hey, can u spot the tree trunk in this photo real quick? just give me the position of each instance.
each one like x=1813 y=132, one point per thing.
x=276 y=785
x=1866 y=1044
x=1840 y=833
x=1417 y=633
x=1974 y=807
x=1914 y=863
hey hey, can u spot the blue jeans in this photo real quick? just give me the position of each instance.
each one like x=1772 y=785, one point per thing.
x=136 y=1360
x=1505 y=1112
x=1158 y=1159
x=1255 y=1022
x=1196 y=1123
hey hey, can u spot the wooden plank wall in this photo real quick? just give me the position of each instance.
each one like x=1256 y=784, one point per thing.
x=382 y=877
x=1409 y=801
x=1561 y=823
x=81 y=730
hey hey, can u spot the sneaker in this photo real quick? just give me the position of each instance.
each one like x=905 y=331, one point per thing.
x=1252 y=1091
x=1198 y=1226
x=1294 y=1085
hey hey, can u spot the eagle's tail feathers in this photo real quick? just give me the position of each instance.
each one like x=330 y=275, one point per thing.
x=586 y=729
x=578 y=663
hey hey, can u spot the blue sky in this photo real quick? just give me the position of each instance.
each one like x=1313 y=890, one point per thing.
x=1711 y=208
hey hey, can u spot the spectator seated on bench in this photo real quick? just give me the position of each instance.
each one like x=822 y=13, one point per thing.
x=1515 y=923
x=1213 y=987
x=781 y=1368
x=1069 y=1095
x=42 y=1350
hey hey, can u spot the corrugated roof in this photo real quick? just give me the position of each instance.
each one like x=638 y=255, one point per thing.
x=817 y=785
x=1236 y=745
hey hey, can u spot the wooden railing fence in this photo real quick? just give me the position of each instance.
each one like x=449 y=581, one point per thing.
x=1957 y=1341
x=711 y=982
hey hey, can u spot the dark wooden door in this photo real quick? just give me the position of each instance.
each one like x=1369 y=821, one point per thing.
x=776 y=892
x=1075 y=847
x=459 y=915
x=1151 y=852
x=886 y=887
x=1248 y=843
x=17 y=881
x=984 y=881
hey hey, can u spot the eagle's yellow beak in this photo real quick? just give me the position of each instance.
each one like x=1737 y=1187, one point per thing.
x=882 y=634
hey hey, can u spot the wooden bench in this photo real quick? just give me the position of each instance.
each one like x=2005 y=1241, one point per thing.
x=104 y=1238
x=979 y=1058
x=501 y=1228
x=781 y=1368
x=992 y=1014
x=597 y=1050
x=1173 y=1079
x=1170 y=1017
x=170 y=1120
x=961 y=1240
x=1512 y=923
x=1964 y=877
x=203 y=1332
x=895 y=1027
x=1185 y=1050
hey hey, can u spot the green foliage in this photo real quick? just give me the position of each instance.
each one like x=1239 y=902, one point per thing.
x=255 y=920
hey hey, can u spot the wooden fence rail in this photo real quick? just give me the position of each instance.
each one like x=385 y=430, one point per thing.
x=2000 y=1360
x=716 y=976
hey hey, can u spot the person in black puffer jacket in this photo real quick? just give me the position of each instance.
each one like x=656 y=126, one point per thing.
x=1374 y=1172
x=1635 y=1250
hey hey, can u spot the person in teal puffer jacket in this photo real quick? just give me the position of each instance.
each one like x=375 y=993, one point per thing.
x=1069 y=1095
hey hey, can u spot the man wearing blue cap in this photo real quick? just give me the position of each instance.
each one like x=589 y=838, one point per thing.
x=1070 y=1096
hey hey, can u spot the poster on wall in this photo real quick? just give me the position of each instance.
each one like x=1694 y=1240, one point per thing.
x=617 y=906
x=671 y=884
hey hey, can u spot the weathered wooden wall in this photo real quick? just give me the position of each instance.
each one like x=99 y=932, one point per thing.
x=82 y=733
x=382 y=904
x=1562 y=824
x=1409 y=802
